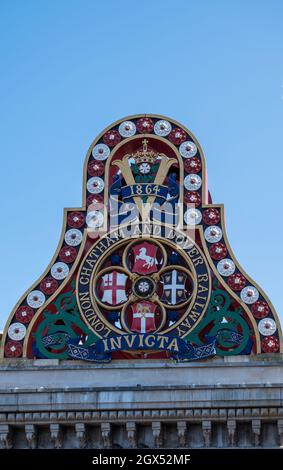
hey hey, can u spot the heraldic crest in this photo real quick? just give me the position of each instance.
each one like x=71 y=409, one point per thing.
x=143 y=269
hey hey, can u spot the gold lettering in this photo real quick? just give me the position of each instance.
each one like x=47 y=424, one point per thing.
x=90 y=263
x=115 y=343
x=141 y=341
x=202 y=289
x=99 y=326
x=162 y=339
x=186 y=323
x=149 y=341
x=86 y=304
x=180 y=331
x=101 y=248
x=193 y=252
x=84 y=295
x=130 y=340
x=105 y=343
x=197 y=304
x=91 y=317
x=197 y=261
x=194 y=315
x=88 y=311
x=173 y=345
x=93 y=254
x=84 y=281
x=93 y=320
x=201 y=297
x=86 y=271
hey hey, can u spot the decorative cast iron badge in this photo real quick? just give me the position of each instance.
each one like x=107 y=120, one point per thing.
x=143 y=269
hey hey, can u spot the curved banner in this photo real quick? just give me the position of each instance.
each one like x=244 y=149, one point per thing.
x=179 y=349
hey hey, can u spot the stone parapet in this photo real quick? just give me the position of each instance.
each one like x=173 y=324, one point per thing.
x=234 y=401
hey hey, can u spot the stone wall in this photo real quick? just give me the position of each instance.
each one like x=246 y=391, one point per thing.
x=230 y=402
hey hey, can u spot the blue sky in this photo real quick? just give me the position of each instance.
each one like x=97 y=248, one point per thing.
x=71 y=67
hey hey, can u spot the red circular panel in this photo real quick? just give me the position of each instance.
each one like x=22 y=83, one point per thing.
x=111 y=138
x=94 y=199
x=211 y=216
x=24 y=314
x=13 y=349
x=192 y=197
x=95 y=168
x=192 y=165
x=270 y=344
x=218 y=251
x=145 y=125
x=260 y=309
x=68 y=254
x=237 y=281
x=177 y=136
x=48 y=285
x=76 y=219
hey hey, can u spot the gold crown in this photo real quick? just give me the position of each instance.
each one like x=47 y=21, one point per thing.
x=144 y=155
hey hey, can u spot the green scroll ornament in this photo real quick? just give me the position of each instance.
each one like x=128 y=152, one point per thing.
x=224 y=325
x=59 y=327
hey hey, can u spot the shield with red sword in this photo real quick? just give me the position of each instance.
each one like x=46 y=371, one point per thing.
x=145 y=261
x=114 y=288
x=143 y=317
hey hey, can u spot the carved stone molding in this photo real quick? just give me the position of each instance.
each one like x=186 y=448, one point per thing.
x=106 y=434
x=157 y=433
x=132 y=434
x=231 y=426
x=206 y=431
x=56 y=435
x=6 y=436
x=163 y=415
x=256 y=426
x=280 y=431
x=182 y=433
x=80 y=429
x=31 y=435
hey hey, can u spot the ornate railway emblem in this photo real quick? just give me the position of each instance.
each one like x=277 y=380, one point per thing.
x=143 y=268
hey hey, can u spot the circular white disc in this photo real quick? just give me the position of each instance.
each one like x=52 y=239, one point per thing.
x=267 y=326
x=35 y=299
x=59 y=270
x=188 y=149
x=73 y=237
x=17 y=331
x=100 y=152
x=213 y=234
x=95 y=185
x=94 y=219
x=162 y=128
x=192 y=216
x=192 y=182
x=249 y=294
x=226 y=267
x=127 y=129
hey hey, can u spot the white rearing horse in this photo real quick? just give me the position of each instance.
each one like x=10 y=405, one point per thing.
x=149 y=260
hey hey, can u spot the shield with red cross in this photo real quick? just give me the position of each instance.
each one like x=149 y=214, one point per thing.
x=114 y=288
x=143 y=317
x=145 y=261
